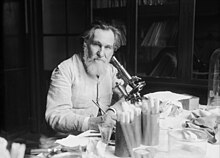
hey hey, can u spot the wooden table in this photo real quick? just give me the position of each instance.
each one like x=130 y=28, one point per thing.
x=213 y=150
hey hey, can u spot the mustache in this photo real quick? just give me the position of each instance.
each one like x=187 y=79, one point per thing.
x=97 y=59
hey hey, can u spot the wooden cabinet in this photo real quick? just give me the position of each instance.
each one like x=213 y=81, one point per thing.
x=14 y=70
x=162 y=39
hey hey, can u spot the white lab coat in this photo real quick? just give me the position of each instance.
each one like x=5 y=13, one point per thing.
x=71 y=94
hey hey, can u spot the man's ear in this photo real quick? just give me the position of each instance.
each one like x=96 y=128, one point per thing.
x=84 y=44
x=85 y=51
x=85 y=47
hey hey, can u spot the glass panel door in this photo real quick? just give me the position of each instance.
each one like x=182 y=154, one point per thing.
x=158 y=23
x=207 y=36
x=62 y=28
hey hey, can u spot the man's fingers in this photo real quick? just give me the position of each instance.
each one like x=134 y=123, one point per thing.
x=114 y=117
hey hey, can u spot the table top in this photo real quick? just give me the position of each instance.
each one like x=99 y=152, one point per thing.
x=213 y=150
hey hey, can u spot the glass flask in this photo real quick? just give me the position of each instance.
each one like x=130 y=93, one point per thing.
x=214 y=81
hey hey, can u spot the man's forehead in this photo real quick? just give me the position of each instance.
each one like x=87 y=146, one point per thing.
x=106 y=36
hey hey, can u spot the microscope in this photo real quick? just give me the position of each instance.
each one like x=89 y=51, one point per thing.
x=133 y=81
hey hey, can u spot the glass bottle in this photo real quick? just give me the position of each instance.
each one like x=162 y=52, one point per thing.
x=214 y=81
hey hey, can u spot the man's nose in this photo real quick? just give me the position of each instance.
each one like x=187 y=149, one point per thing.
x=101 y=52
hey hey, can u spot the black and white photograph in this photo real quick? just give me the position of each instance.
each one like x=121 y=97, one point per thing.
x=110 y=79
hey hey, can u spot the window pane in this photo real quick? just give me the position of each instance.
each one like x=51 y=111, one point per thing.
x=207 y=36
x=54 y=51
x=74 y=45
x=76 y=16
x=54 y=20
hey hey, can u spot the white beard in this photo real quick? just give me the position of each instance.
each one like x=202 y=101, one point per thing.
x=94 y=66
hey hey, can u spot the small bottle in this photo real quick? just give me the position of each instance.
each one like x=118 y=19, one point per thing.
x=214 y=81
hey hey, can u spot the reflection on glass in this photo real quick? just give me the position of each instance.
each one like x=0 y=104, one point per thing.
x=157 y=41
x=207 y=37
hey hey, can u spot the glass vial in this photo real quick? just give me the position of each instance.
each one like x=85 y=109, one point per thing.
x=214 y=81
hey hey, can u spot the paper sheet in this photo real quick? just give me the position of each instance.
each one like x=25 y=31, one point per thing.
x=168 y=96
x=79 y=140
x=73 y=141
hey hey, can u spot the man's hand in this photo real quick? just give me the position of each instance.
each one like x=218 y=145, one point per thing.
x=109 y=118
x=112 y=114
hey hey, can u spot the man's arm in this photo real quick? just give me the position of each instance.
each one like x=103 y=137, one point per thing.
x=59 y=113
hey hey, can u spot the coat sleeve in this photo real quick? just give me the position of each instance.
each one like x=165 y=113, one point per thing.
x=59 y=113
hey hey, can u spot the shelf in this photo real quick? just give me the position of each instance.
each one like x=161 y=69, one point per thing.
x=159 y=10
x=144 y=11
x=117 y=12
x=173 y=81
x=143 y=48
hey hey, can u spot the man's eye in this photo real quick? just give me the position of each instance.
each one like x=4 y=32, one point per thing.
x=96 y=44
x=108 y=47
